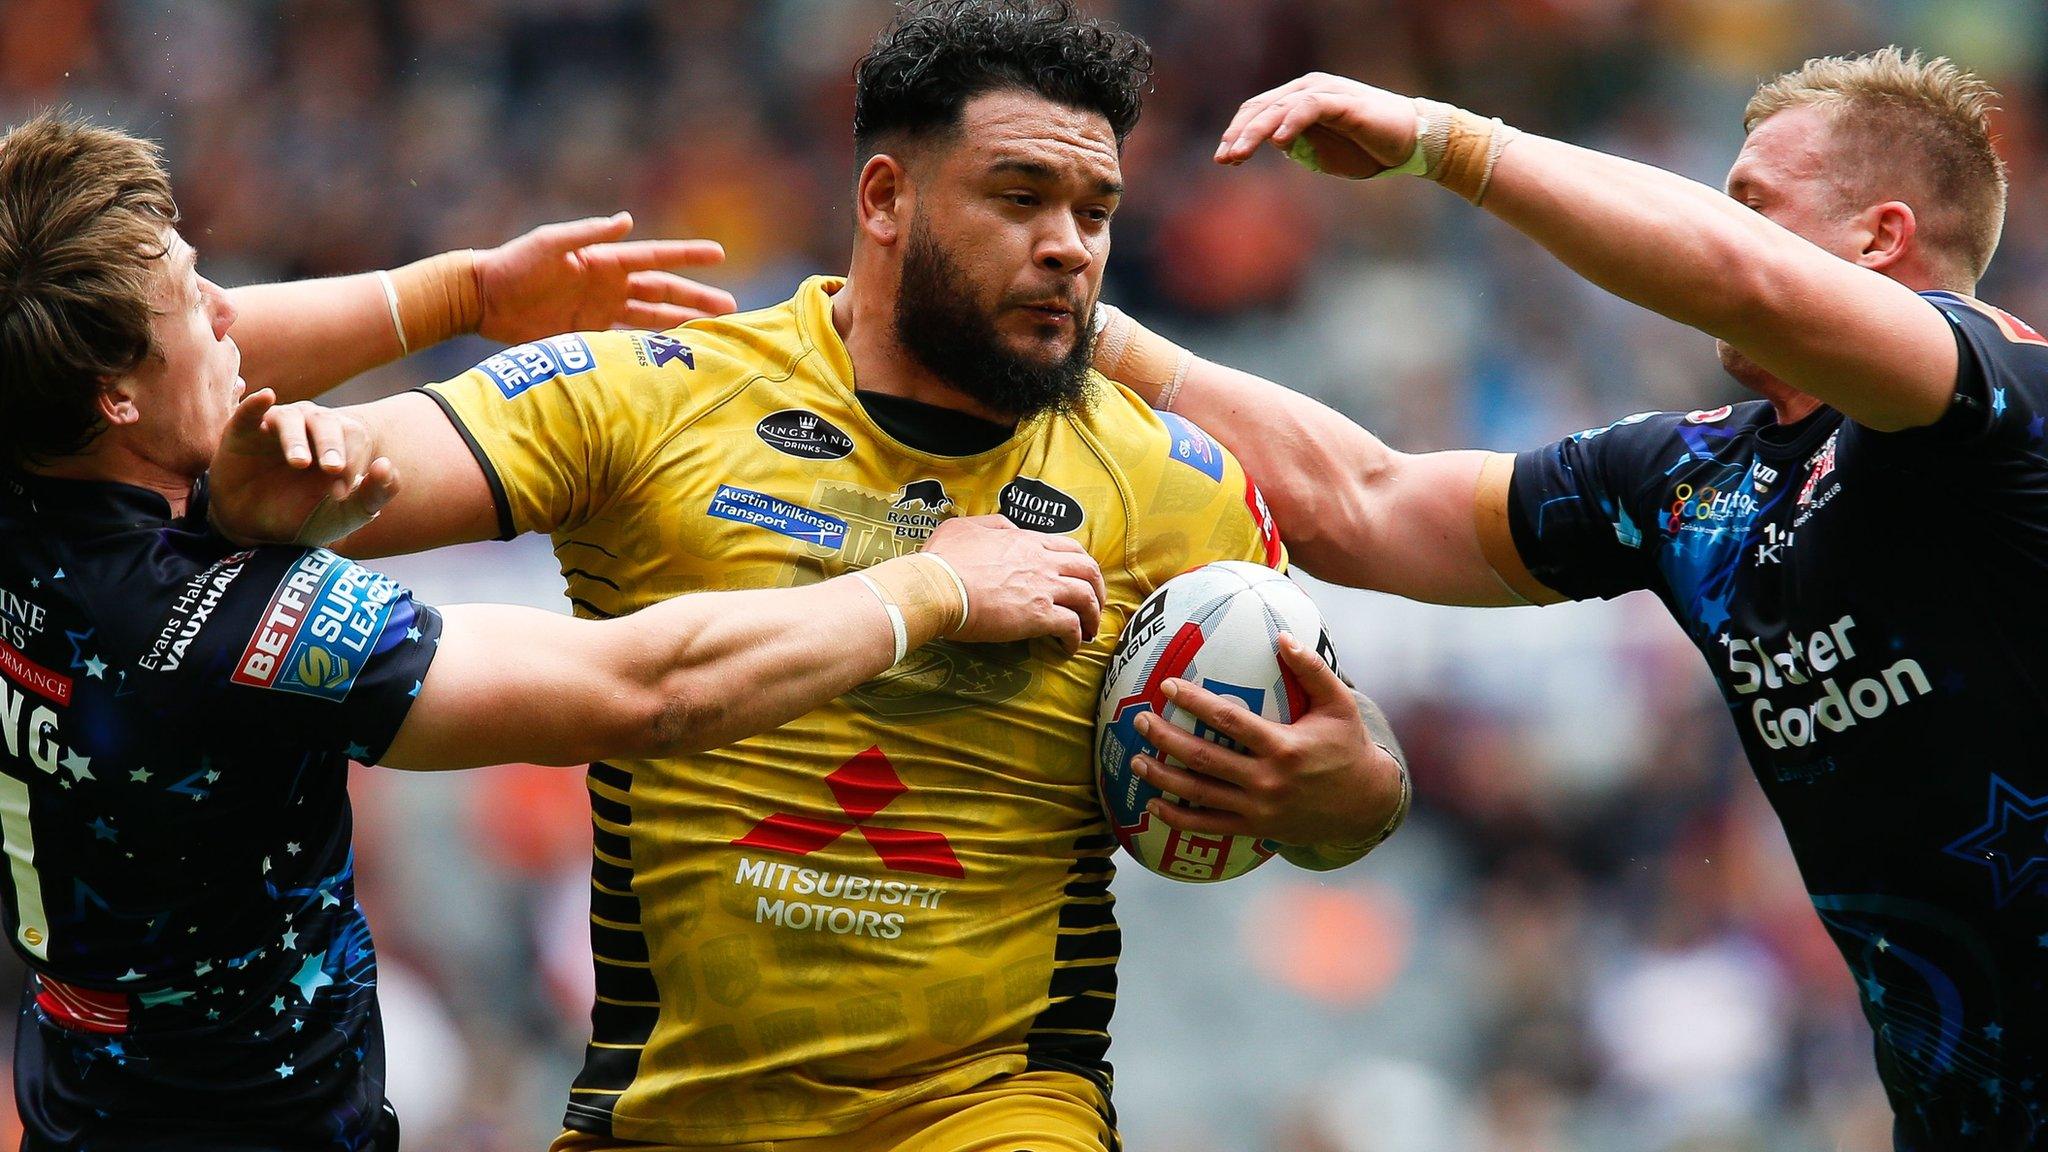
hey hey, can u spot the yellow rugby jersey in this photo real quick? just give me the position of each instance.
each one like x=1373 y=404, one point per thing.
x=903 y=893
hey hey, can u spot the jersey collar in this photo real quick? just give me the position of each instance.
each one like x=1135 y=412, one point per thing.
x=98 y=504
x=814 y=322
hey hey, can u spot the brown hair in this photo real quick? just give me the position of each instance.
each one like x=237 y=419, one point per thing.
x=1891 y=104
x=82 y=215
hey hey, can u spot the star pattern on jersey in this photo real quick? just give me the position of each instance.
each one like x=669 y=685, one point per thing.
x=79 y=656
x=79 y=766
x=311 y=977
x=1997 y=402
x=140 y=775
x=1714 y=612
x=189 y=786
x=2012 y=842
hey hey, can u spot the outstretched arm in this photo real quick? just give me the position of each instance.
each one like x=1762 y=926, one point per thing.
x=1353 y=511
x=302 y=338
x=1830 y=327
x=702 y=670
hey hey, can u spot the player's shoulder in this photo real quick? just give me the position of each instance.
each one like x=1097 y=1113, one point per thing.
x=1192 y=500
x=252 y=605
x=698 y=356
x=1140 y=442
x=1688 y=430
x=1971 y=312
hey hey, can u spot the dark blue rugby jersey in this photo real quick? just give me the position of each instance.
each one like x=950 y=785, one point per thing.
x=1875 y=610
x=176 y=721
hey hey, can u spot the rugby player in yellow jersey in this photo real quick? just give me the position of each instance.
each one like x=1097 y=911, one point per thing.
x=887 y=924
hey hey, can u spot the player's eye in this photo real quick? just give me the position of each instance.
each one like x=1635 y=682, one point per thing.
x=1022 y=199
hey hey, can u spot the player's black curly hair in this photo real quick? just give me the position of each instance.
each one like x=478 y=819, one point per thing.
x=936 y=55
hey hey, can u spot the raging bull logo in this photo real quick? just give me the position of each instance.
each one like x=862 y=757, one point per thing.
x=920 y=507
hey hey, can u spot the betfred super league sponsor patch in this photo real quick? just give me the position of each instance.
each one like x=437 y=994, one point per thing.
x=1192 y=446
x=319 y=629
x=516 y=369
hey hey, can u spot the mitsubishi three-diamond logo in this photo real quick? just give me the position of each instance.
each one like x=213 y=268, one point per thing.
x=863 y=786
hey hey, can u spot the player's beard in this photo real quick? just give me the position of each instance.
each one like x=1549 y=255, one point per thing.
x=958 y=342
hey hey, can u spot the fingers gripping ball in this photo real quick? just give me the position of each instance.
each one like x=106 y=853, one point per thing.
x=1217 y=626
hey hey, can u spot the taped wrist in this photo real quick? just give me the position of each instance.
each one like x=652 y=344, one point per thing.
x=1139 y=358
x=1455 y=148
x=437 y=298
x=924 y=589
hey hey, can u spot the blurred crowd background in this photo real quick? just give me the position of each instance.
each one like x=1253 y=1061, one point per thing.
x=1590 y=935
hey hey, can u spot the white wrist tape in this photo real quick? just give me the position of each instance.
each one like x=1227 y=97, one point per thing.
x=391 y=299
x=896 y=625
x=957 y=583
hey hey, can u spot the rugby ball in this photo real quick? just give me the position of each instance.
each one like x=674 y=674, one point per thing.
x=1217 y=626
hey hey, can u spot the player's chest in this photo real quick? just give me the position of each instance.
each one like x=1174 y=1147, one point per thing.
x=769 y=497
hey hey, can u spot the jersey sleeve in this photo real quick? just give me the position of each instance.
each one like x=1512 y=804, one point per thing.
x=290 y=649
x=556 y=424
x=1578 y=511
x=1203 y=507
x=2000 y=404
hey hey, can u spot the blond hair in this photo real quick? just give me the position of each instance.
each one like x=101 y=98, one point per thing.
x=82 y=217
x=1908 y=129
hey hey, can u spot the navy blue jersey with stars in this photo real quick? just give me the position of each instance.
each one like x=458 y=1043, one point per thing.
x=176 y=721
x=1873 y=608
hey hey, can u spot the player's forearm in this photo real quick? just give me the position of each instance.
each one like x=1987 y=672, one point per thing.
x=1352 y=510
x=512 y=684
x=1856 y=339
x=1319 y=471
x=304 y=337
x=727 y=665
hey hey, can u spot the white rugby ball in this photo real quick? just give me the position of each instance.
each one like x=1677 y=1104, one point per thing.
x=1217 y=626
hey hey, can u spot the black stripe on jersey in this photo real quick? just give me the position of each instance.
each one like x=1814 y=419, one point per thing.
x=589 y=545
x=499 y=500
x=613 y=908
x=1086 y=885
x=606 y=876
x=618 y=945
x=1071 y=1034
x=591 y=611
x=1082 y=979
x=611 y=844
x=609 y=809
x=588 y=574
x=1089 y=914
x=628 y=1002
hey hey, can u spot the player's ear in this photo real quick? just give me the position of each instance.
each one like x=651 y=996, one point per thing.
x=1888 y=232
x=881 y=199
x=116 y=402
